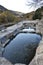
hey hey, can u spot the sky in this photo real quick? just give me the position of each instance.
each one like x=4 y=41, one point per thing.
x=16 y=5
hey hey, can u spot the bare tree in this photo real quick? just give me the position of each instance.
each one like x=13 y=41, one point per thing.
x=35 y=3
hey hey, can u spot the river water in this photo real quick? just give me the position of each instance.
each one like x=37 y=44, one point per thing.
x=22 y=48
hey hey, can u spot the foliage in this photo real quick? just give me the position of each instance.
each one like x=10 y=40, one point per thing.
x=1 y=11
x=42 y=8
x=37 y=14
x=10 y=17
x=2 y=18
x=7 y=17
x=32 y=3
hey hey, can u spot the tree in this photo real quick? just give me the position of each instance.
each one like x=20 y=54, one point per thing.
x=35 y=3
x=37 y=15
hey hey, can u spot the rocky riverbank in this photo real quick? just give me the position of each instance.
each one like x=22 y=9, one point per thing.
x=38 y=59
x=39 y=50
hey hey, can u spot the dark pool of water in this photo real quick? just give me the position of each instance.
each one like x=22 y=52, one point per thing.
x=22 y=48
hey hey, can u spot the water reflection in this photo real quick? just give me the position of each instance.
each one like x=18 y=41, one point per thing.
x=22 y=48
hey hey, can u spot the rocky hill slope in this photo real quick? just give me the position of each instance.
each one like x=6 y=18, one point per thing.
x=16 y=13
x=9 y=16
x=36 y=14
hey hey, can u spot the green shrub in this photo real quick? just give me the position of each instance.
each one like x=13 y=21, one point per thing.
x=37 y=15
x=7 y=17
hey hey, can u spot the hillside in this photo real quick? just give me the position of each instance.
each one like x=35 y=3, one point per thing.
x=16 y=13
x=28 y=16
x=2 y=8
x=9 y=16
x=38 y=12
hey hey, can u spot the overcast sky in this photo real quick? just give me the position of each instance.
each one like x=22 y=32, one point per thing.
x=16 y=5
